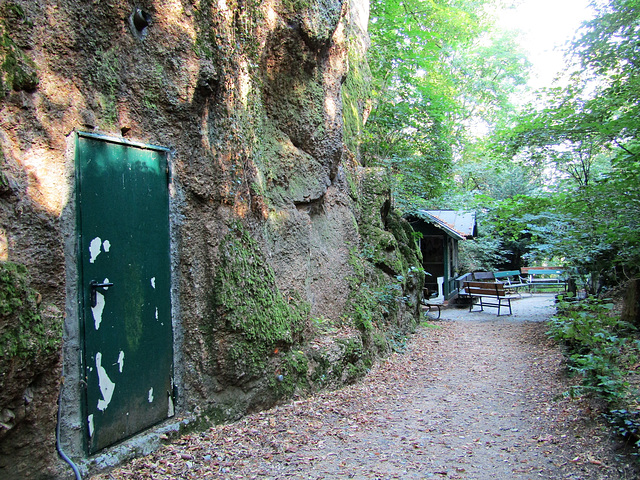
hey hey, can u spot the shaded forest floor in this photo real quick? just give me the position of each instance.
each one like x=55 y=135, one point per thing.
x=472 y=396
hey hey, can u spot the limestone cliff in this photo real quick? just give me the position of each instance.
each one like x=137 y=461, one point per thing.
x=290 y=271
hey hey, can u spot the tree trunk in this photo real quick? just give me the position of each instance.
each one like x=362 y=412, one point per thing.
x=631 y=309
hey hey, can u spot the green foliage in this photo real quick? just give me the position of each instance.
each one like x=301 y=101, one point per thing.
x=593 y=227
x=555 y=185
x=603 y=350
x=480 y=254
x=618 y=207
x=437 y=74
x=600 y=346
x=588 y=220
x=582 y=139
x=626 y=423
x=507 y=236
x=607 y=52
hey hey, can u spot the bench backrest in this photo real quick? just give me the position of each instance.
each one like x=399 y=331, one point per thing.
x=542 y=270
x=465 y=277
x=484 y=288
x=545 y=272
x=507 y=273
x=483 y=276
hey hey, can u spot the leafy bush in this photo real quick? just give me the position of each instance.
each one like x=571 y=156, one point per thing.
x=626 y=423
x=599 y=346
x=603 y=350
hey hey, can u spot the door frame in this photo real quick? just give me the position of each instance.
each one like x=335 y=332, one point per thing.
x=72 y=417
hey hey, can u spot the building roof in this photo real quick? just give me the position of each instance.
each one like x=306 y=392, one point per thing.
x=458 y=224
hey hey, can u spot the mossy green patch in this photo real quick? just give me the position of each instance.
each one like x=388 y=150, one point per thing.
x=25 y=333
x=4 y=183
x=210 y=42
x=373 y=297
x=247 y=21
x=104 y=75
x=357 y=360
x=387 y=271
x=295 y=6
x=380 y=342
x=297 y=100
x=248 y=305
x=226 y=411
x=356 y=96
x=17 y=70
x=389 y=241
x=291 y=375
x=105 y=71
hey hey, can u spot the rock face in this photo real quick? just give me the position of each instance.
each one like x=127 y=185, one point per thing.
x=290 y=272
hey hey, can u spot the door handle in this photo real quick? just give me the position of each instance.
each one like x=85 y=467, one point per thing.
x=94 y=287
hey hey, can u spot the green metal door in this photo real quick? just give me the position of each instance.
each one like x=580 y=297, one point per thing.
x=124 y=265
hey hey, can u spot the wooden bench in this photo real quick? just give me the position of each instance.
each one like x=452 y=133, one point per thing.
x=490 y=294
x=545 y=277
x=511 y=280
x=431 y=302
x=484 y=276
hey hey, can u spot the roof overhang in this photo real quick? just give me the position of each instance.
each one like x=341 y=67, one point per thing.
x=459 y=225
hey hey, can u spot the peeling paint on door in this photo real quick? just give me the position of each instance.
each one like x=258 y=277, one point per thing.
x=121 y=360
x=97 y=310
x=107 y=387
x=94 y=249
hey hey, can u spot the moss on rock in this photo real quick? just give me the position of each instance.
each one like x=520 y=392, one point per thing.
x=29 y=335
x=253 y=314
x=388 y=277
x=291 y=375
x=25 y=332
x=17 y=71
x=355 y=98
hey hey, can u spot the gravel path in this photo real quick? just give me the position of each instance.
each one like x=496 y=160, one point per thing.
x=473 y=396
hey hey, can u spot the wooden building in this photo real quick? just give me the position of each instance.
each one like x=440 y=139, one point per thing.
x=441 y=231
